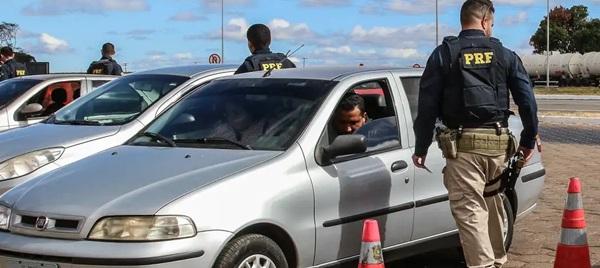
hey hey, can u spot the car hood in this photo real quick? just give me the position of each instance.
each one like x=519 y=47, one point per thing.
x=20 y=141
x=129 y=180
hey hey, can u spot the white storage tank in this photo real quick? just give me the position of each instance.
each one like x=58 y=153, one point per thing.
x=569 y=65
x=591 y=64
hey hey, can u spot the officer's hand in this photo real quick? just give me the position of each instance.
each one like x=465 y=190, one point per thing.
x=527 y=153
x=419 y=161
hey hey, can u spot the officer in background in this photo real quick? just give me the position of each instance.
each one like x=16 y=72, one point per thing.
x=466 y=84
x=106 y=65
x=262 y=59
x=10 y=67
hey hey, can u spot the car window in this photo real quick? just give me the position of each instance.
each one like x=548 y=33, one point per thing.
x=120 y=101
x=261 y=114
x=378 y=123
x=13 y=88
x=98 y=83
x=411 y=87
x=55 y=96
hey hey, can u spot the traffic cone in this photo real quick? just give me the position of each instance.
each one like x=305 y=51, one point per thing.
x=371 y=255
x=573 y=250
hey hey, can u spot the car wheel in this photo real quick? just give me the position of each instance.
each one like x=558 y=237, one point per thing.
x=252 y=251
x=509 y=222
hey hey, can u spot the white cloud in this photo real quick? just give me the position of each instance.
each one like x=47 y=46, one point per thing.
x=408 y=36
x=59 y=7
x=184 y=56
x=518 y=18
x=414 y=7
x=187 y=16
x=216 y=4
x=45 y=43
x=403 y=53
x=281 y=30
x=321 y=3
x=160 y=58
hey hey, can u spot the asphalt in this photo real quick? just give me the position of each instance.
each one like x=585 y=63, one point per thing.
x=568 y=103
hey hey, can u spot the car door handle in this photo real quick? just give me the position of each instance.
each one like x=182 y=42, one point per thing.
x=399 y=165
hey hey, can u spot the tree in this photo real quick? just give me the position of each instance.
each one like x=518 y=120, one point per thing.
x=8 y=37
x=570 y=31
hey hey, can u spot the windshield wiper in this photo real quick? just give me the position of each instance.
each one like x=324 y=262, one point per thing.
x=213 y=140
x=76 y=122
x=158 y=137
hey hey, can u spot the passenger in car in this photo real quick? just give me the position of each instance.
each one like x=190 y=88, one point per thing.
x=59 y=97
x=350 y=115
x=239 y=124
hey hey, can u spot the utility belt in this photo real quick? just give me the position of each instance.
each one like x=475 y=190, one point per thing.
x=485 y=141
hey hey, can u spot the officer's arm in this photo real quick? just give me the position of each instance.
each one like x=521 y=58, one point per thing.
x=117 y=69
x=430 y=95
x=89 y=70
x=522 y=93
x=243 y=68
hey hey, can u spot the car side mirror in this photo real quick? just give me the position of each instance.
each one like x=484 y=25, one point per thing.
x=31 y=109
x=344 y=145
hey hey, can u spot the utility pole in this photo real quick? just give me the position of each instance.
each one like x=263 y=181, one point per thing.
x=222 y=31
x=437 y=23
x=548 y=45
x=303 y=62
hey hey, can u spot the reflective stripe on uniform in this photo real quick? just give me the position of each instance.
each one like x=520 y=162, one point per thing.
x=573 y=237
x=371 y=253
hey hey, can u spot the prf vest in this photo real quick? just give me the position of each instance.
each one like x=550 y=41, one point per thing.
x=476 y=92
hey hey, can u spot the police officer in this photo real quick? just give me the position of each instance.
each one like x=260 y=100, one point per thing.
x=466 y=84
x=106 y=65
x=10 y=67
x=262 y=59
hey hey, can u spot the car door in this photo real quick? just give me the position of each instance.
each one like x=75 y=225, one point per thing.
x=51 y=97
x=432 y=210
x=375 y=184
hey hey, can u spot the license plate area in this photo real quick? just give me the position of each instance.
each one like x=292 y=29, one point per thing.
x=17 y=263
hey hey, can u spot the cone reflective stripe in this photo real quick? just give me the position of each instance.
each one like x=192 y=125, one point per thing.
x=573 y=249
x=371 y=254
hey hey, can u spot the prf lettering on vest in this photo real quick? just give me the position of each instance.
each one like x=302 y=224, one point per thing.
x=478 y=58
x=97 y=71
x=20 y=72
x=269 y=66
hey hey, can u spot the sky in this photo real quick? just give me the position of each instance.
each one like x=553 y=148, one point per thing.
x=157 y=33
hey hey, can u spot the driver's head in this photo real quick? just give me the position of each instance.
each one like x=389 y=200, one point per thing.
x=59 y=95
x=237 y=114
x=350 y=114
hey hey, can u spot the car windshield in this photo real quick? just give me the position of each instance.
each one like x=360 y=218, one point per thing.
x=13 y=88
x=250 y=114
x=119 y=101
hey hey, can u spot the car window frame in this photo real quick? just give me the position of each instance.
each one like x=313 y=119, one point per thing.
x=324 y=142
x=17 y=114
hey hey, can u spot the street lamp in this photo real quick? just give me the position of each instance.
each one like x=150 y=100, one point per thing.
x=437 y=21
x=548 y=44
x=222 y=31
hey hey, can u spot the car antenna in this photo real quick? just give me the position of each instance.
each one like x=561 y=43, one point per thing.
x=287 y=55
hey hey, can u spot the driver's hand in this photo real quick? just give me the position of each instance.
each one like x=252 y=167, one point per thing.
x=419 y=161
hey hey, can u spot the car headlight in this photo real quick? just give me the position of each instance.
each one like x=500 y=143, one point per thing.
x=4 y=217
x=28 y=163
x=143 y=228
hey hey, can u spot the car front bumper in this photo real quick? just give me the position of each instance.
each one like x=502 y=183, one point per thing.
x=23 y=251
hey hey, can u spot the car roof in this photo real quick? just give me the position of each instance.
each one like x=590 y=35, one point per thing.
x=63 y=75
x=189 y=70
x=329 y=73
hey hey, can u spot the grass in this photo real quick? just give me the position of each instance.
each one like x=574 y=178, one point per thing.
x=568 y=91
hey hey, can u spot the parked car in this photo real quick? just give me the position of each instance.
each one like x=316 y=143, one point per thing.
x=248 y=172
x=30 y=99
x=98 y=121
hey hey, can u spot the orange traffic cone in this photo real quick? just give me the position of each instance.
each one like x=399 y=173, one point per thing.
x=371 y=255
x=573 y=250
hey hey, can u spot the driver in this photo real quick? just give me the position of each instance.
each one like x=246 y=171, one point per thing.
x=350 y=115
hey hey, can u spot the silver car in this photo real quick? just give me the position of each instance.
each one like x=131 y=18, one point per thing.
x=98 y=121
x=30 y=99
x=248 y=172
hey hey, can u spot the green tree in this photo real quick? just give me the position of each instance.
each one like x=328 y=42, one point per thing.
x=570 y=31
x=8 y=37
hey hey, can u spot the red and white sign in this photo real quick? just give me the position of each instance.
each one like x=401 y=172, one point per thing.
x=214 y=59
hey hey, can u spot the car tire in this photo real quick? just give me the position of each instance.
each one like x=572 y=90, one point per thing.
x=508 y=223
x=251 y=248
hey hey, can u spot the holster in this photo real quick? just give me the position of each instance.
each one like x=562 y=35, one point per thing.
x=447 y=141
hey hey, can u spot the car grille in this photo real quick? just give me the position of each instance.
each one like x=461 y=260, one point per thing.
x=38 y=224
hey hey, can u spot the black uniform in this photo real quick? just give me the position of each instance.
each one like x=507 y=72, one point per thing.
x=466 y=84
x=105 y=66
x=12 y=69
x=264 y=60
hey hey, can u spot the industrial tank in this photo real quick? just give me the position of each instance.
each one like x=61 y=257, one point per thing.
x=591 y=64
x=568 y=65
